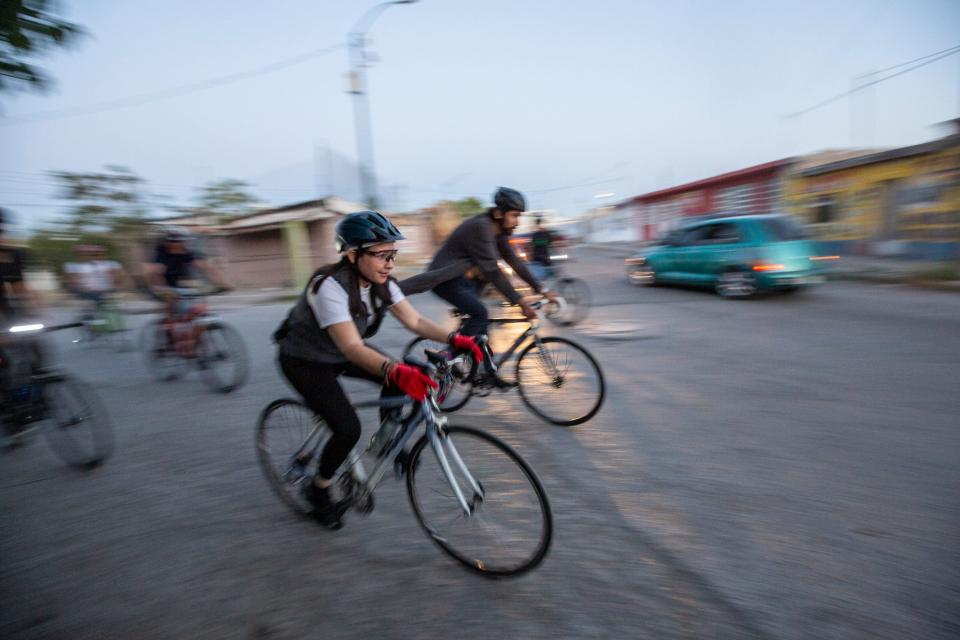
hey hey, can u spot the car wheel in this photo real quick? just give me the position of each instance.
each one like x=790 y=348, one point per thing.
x=737 y=284
x=641 y=275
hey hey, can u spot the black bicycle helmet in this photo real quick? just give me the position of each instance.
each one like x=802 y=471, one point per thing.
x=365 y=228
x=174 y=234
x=507 y=199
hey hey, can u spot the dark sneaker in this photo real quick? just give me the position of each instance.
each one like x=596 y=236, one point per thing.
x=325 y=510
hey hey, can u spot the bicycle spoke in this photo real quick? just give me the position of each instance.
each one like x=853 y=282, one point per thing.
x=508 y=529
x=560 y=381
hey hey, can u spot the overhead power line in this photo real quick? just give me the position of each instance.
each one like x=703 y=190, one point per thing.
x=928 y=59
x=145 y=98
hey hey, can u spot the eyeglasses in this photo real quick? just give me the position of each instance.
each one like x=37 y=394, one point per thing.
x=384 y=256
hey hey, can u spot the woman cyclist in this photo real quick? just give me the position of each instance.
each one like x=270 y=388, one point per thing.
x=323 y=338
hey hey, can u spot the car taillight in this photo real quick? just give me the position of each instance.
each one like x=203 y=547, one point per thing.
x=817 y=258
x=768 y=267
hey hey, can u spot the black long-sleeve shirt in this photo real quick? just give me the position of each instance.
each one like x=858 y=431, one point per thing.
x=473 y=244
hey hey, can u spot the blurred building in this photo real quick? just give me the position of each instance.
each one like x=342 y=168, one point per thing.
x=901 y=202
x=281 y=247
x=610 y=224
x=756 y=189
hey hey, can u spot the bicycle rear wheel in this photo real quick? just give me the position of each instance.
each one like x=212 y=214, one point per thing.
x=576 y=302
x=286 y=431
x=79 y=429
x=509 y=529
x=162 y=360
x=222 y=357
x=560 y=382
x=455 y=391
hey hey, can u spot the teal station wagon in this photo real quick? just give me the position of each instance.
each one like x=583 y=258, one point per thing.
x=738 y=256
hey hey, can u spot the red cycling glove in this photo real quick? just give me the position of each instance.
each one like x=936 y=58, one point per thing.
x=466 y=343
x=411 y=380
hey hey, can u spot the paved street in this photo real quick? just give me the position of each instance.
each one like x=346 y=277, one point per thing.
x=776 y=468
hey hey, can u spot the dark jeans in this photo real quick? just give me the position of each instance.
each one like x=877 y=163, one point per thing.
x=464 y=294
x=322 y=393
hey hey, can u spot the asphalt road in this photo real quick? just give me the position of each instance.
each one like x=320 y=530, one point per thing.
x=776 y=468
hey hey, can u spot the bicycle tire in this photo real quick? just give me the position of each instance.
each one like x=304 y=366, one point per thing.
x=164 y=364
x=462 y=391
x=490 y=481
x=210 y=352
x=301 y=419
x=577 y=295
x=527 y=392
x=79 y=429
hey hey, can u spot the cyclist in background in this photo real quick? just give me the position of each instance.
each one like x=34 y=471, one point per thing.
x=94 y=277
x=174 y=262
x=540 y=241
x=15 y=296
x=21 y=356
x=324 y=337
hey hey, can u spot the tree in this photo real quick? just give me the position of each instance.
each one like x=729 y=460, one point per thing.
x=107 y=208
x=226 y=198
x=111 y=201
x=28 y=28
x=467 y=207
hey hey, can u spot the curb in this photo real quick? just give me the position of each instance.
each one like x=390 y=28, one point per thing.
x=905 y=280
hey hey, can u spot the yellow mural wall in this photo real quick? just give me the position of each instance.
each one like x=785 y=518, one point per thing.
x=914 y=199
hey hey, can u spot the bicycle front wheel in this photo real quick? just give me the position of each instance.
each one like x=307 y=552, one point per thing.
x=288 y=432
x=222 y=358
x=454 y=391
x=559 y=381
x=509 y=527
x=162 y=359
x=79 y=429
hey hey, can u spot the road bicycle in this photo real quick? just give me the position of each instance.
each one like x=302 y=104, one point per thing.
x=557 y=378
x=475 y=497
x=35 y=399
x=195 y=339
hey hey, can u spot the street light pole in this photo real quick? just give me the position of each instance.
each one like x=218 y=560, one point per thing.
x=357 y=86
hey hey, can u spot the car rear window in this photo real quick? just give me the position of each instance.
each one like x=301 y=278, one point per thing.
x=782 y=228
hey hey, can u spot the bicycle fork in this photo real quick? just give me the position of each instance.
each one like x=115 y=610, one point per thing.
x=441 y=444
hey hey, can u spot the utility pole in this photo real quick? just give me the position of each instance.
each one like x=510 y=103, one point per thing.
x=357 y=87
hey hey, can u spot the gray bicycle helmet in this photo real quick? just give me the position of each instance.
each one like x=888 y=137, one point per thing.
x=365 y=228
x=507 y=199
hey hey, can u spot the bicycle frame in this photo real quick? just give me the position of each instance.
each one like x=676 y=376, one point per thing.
x=426 y=412
x=530 y=332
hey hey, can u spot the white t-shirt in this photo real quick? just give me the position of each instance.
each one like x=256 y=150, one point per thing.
x=331 y=304
x=93 y=275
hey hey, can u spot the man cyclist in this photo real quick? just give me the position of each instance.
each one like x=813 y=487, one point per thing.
x=324 y=337
x=467 y=260
x=173 y=262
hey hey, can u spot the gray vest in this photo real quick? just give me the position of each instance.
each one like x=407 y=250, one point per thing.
x=300 y=335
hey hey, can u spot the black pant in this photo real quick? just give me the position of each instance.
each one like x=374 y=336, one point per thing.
x=464 y=294
x=322 y=393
